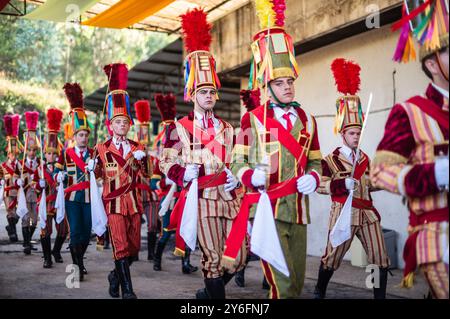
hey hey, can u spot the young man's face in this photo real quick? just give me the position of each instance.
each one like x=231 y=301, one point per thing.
x=206 y=98
x=81 y=138
x=351 y=137
x=31 y=153
x=50 y=157
x=440 y=76
x=284 y=90
x=120 y=126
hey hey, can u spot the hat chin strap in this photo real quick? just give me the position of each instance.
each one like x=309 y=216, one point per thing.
x=439 y=61
x=277 y=100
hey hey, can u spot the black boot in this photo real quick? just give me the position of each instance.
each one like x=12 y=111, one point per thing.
x=74 y=252
x=380 y=293
x=46 y=249
x=239 y=278
x=151 y=242
x=158 y=256
x=32 y=229
x=113 y=284
x=186 y=266
x=11 y=229
x=79 y=256
x=215 y=288
x=106 y=245
x=83 y=252
x=56 y=252
x=322 y=282
x=123 y=272
x=26 y=240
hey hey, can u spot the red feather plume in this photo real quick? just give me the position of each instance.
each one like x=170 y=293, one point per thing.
x=117 y=74
x=31 y=119
x=74 y=94
x=15 y=120
x=142 y=108
x=7 y=120
x=251 y=99
x=54 y=119
x=346 y=74
x=166 y=105
x=196 y=30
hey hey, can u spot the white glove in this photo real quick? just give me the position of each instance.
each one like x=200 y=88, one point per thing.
x=441 y=172
x=349 y=184
x=191 y=172
x=258 y=178
x=232 y=181
x=169 y=181
x=306 y=184
x=139 y=155
x=91 y=165
x=42 y=183
x=32 y=177
x=2 y=183
x=20 y=182
x=60 y=177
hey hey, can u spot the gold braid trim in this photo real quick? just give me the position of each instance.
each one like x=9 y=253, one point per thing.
x=388 y=158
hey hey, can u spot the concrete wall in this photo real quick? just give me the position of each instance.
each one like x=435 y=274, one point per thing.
x=317 y=94
x=305 y=19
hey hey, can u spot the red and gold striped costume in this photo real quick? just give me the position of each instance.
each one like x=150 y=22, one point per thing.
x=365 y=219
x=416 y=133
x=121 y=197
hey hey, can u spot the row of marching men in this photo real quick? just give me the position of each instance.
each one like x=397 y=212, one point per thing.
x=252 y=193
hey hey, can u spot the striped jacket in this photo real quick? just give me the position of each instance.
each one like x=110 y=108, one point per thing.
x=50 y=188
x=120 y=178
x=404 y=164
x=8 y=174
x=28 y=176
x=293 y=208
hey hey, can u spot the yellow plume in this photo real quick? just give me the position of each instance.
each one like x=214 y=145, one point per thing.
x=265 y=13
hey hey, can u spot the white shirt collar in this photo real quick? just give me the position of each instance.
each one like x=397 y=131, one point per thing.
x=444 y=92
x=125 y=145
x=78 y=151
x=200 y=117
x=347 y=152
x=279 y=112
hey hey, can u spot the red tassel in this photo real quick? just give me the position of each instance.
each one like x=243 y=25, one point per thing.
x=117 y=74
x=196 y=30
x=74 y=95
x=31 y=119
x=251 y=99
x=346 y=75
x=54 y=119
x=142 y=108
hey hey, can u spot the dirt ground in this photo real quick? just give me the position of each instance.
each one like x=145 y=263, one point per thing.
x=24 y=277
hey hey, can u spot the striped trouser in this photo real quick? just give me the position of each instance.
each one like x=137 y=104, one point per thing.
x=30 y=218
x=11 y=204
x=212 y=232
x=61 y=229
x=372 y=240
x=151 y=213
x=125 y=234
x=436 y=275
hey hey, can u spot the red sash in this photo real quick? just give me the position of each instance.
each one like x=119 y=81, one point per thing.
x=8 y=169
x=284 y=137
x=49 y=179
x=77 y=187
x=76 y=159
x=210 y=143
x=432 y=109
x=212 y=180
x=239 y=226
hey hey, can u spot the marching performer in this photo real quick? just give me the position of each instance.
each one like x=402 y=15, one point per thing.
x=412 y=157
x=120 y=164
x=26 y=171
x=277 y=154
x=70 y=169
x=163 y=185
x=196 y=155
x=8 y=175
x=337 y=181
x=149 y=197
x=52 y=148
